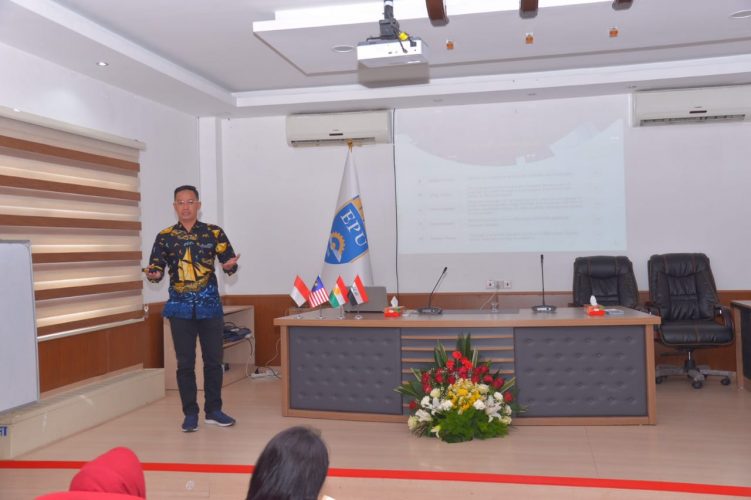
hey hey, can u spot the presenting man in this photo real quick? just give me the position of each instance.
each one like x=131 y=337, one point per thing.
x=194 y=310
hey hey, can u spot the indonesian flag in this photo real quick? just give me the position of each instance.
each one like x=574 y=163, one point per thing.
x=336 y=297
x=300 y=292
x=318 y=294
x=357 y=292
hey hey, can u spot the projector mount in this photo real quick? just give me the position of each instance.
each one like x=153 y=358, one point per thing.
x=389 y=27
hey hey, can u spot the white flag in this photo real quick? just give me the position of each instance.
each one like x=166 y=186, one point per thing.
x=347 y=252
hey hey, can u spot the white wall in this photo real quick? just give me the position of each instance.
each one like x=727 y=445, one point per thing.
x=279 y=203
x=686 y=189
x=37 y=86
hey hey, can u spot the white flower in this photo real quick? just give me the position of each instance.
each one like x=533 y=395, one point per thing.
x=446 y=405
x=498 y=396
x=423 y=416
x=425 y=402
x=479 y=405
x=435 y=393
x=412 y=422
x=483 y=388
x=506 y=420
x=507 y=410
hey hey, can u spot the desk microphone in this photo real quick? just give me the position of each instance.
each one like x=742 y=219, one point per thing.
x=429 y=309
x=543 y=308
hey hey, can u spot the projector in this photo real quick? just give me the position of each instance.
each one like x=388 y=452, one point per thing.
x=385 y=53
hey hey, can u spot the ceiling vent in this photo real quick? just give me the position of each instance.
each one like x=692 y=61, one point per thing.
x=696 y=105
x=362 y=127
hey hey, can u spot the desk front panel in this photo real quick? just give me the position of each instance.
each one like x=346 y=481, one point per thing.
x=581 y=372
x=345 y=369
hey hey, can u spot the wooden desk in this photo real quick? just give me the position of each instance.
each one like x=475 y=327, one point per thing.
x=570 y=368
x=742 y=330
x=237 y=355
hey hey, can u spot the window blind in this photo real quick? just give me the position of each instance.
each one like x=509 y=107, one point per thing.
x=74 y=194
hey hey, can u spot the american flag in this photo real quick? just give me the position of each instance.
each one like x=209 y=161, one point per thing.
x=318 y=294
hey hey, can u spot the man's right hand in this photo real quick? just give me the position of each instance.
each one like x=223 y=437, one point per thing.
x=153 y=274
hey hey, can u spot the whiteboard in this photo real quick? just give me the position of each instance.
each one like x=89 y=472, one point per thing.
x=19 y=372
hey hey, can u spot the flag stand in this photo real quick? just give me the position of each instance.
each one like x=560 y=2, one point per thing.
x=341 y=312
x=357 y=312
x=320 y=312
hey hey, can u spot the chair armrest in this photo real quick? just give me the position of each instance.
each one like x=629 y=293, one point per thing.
x=651 y=308
x=725 y=314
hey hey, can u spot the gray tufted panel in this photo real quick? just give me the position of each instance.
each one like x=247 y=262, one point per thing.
x=581 y=371
x=345 y=369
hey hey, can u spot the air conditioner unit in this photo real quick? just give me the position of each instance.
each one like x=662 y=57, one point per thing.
x=337 y=128
x=695 y=105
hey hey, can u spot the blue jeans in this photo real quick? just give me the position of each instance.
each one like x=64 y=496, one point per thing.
x=210 y=333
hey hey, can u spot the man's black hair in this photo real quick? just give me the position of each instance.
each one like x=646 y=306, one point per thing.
x=187 y=187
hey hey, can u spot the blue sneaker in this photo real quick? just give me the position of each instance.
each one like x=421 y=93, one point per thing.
x=190 y=424
x=219 y=418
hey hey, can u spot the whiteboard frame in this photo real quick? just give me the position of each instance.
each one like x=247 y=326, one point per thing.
x=19 y=358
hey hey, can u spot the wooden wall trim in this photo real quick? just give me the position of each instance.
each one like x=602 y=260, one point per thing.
x=68 y=154
x=65 y=187
x=36 y=221
x=54 y=257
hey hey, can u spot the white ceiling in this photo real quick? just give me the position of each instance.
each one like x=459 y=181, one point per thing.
x=203 y=56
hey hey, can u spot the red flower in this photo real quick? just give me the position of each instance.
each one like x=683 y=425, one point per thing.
x=475 y=377
x=426 y=388
x=508 y=397
x=482 y=369
x=413 y=405
x=450 y=364
x=456 y=355
x=439 y=377
x=425 y=377
x=498 y=383
x=488 y=379
x=452 y=379
x=463 y=372
x=466 y=363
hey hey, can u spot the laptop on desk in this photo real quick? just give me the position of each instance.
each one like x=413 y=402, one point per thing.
x=376 y=301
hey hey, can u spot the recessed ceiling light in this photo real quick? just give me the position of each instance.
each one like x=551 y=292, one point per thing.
x=16 y=110
x=741 y=14
x=102 y=63
x=342 y=49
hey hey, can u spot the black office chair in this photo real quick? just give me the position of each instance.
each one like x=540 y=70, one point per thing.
x=682 y=292
x=610 y=279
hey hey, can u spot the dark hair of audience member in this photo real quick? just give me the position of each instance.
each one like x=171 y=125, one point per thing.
x=292 y=466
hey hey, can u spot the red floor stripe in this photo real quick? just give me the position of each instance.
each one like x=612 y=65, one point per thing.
x=577 y=482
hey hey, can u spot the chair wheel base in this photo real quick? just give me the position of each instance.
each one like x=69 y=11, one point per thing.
x=659 y=380
x=725 y=381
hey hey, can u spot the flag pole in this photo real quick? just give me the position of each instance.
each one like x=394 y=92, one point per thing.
x=349 y=145
x=357 y=314
x=341 y=311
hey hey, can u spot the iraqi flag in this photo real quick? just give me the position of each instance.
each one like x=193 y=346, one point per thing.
x=300 y=292
x=347 y=252
x=336 y=297
x=357 y=293
x=318 y=294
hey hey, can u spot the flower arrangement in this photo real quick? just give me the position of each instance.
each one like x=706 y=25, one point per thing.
x=459 y=399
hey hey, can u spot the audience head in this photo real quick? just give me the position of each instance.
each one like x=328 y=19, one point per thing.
x=292 y=466
x=116 y=474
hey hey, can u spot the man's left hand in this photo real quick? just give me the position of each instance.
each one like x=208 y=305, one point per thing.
x=231 y=263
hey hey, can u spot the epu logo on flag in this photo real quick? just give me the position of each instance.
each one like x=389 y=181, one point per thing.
x=348 y=239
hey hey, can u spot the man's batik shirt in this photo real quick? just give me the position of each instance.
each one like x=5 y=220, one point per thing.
x=189 y=256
